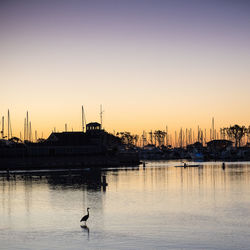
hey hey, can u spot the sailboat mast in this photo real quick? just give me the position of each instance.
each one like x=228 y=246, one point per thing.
x=8 y=125
x=101 y=113
x=27 y=126
x=82 y=119
x=2 y=132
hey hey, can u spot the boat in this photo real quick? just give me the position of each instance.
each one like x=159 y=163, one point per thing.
x=185 y=165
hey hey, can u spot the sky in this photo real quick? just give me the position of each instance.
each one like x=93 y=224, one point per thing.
x=151 y=64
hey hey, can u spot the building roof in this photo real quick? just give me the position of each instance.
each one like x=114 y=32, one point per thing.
x=219 y=142
x=93 y=124
x=68 y=138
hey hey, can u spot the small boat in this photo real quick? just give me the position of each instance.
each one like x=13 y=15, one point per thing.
x=185 y=165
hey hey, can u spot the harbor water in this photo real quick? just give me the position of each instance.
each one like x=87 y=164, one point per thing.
x=156 y=206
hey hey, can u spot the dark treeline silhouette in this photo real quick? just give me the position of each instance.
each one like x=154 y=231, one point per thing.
x=98 y=147
x=159 y=145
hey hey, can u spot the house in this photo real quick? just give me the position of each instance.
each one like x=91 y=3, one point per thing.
x=219 y=145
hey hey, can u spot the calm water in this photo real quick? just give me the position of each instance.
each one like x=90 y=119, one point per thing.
x=159 y=207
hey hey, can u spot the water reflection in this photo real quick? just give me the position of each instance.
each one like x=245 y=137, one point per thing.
x=151 y=206
x=85 y=229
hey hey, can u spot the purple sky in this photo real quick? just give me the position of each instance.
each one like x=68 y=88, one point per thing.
x=137 y=50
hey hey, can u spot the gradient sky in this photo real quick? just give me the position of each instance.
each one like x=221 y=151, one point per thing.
x=149 y=63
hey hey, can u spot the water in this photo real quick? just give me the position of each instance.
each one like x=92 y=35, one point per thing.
x=159 y=207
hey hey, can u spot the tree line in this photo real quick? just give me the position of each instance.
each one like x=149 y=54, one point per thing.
x=234 y=133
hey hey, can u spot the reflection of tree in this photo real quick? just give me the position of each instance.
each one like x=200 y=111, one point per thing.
x=236 y=132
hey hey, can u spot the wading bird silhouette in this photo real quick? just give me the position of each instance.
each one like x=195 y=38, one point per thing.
x=85 y=217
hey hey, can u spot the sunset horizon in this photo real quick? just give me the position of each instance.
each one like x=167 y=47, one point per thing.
x=124 y=124
x=151 y=64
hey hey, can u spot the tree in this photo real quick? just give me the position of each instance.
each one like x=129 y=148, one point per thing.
x=128 y=138
x=236 y=132
x=159 y=137
x=41 y=140
x=15 y=140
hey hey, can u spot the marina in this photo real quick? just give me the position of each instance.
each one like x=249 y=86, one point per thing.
x=124 y=125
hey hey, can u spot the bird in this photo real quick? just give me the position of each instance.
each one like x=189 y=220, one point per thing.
x=85 y=217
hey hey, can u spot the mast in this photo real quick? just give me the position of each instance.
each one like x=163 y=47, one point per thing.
x=101 y=113
x=24 y=130
x=2 y=132
x=8 y=125
x=82 y=119
x=167 y=136
x=213 y=134
x=27 y=126
x=10 y=129
x=205 y=136
x=30 y=133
